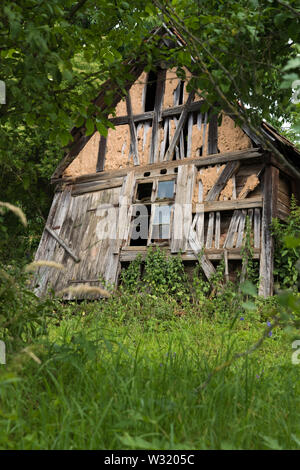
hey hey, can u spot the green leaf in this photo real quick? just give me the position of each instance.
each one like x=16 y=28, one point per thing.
x=90 y=127
x=64 y=138
x=271 y=443
x=249 y=306
x=101 y=128
x=248 y=288
x=291 y=242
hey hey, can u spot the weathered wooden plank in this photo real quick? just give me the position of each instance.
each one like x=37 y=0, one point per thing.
x=270 y=194
x=248 y=154
x=154 y=150
x=215 y=206
x=148 y=115
x=218 y=230
x=229 y=170
x=79 y=189
x=124 y=218
x=240 y=235
x=60 y=255
x=62 y=243
x=48 y=244
x=233 y=187
x=183 y=208
x=101 y=153
x=76 y=237
x=210 y=230
x=179 y=128
x=206 y=265
x=133 y=134
x=189 y=255
x=226 y=265
x=230 y=237
x=189 y=136
x=257 y=229
x=284 y=199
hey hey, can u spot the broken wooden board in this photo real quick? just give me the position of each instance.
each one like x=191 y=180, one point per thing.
x=183 y=208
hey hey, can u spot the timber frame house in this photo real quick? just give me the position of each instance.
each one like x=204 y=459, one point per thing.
x=170 y=167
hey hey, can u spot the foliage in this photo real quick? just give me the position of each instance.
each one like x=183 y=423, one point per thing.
x=252 y=269
x=158 y=275
x=112 y=382
x=286 y=252
x=54 y=56
x=23 y=317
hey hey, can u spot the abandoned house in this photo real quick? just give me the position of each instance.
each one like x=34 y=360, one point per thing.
x=171 y=175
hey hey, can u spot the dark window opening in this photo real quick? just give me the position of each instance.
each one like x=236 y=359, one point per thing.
x=144 y=191
x=147 y=173
x=140 y=225
x=185 y=132
x=181 y=90
x=163 y=171
x=176 y=170
x=150 y=91
x=179 y=93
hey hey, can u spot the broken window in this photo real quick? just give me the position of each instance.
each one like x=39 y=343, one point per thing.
x=151 y=223
x=150 y=91
x=144 y=191
x=140 y=225
x=161 y=224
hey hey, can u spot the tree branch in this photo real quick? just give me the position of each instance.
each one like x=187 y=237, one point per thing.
x=75 y=9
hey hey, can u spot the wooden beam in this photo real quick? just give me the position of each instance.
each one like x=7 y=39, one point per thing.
x=101 y=153
x=62 y=243
x=229 y=170
x=215 y=206
x=189 y=255
x=160 y=89
x=148 y=115
x=179 y=128
x=133 y=136
x=206 y=265
x=92 y=186
x=270 y=195
x=219 y=158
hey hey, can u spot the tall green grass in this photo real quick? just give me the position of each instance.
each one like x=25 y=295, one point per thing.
x=125 y=374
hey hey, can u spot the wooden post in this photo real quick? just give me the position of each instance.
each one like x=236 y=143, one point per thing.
x=270 y=197
x=160 y=89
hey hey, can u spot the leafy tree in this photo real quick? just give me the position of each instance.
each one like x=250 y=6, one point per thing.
x=244 y=55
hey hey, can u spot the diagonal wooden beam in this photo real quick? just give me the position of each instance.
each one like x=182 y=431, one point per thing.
x=134 y=144
x=62 y=243
x=181 y=123
x=229 y=170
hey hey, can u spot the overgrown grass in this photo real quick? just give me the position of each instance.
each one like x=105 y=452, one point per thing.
x=125 y=374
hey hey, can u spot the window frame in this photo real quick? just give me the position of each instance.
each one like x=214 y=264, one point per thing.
x=154 y=202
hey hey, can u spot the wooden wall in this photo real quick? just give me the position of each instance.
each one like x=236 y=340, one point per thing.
x=213 y=197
